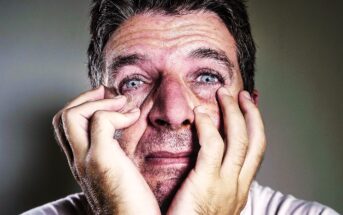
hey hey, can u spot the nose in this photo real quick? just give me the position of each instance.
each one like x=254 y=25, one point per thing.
x=171 y=107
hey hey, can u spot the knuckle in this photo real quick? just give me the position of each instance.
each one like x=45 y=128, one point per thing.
x=65 y=115
x=228 y=101
x=238 y=162
x=242 y=139
x=55 y=120
x=206 y=121
x=100 y=119
x=214 y=140
x=99 y=116
x=254 y=110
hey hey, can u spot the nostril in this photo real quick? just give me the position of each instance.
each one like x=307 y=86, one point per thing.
x=186 y=122
x=161 y=122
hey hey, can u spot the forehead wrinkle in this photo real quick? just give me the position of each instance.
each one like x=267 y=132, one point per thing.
x=158 y=55
x=137 y=28
x=168 y=21
x=162 y=43
x=174 y=38
x=165 y=32
x=192 y=33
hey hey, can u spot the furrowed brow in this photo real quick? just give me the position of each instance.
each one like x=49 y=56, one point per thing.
x=124 y=60
x=217 y=55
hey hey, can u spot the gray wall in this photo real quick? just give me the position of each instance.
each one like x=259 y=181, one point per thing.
x=299 y=75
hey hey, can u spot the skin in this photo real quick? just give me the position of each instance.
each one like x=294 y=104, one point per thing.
x=191 y=140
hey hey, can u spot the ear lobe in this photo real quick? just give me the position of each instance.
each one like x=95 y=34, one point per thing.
x=255 y=97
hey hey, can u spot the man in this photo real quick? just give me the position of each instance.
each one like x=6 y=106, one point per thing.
x=172 y=124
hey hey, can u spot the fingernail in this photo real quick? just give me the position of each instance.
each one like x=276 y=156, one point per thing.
x=224 y=91
x=134 y=110
x=201 y=109
x=247 y=95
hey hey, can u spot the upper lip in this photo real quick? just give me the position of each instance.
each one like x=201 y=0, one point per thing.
x=166 y=154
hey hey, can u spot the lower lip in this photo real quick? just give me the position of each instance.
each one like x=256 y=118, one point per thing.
x=168 y=161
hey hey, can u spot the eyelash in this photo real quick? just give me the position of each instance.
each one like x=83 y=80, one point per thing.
x=210 y=72
x=130 y=78
x=201 y=72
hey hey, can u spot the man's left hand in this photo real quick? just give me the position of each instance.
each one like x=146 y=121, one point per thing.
x=225 y=167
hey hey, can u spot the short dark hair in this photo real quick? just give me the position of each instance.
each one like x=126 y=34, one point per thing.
x=108 y=15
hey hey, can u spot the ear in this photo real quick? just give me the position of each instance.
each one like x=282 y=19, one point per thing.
x=255 y=96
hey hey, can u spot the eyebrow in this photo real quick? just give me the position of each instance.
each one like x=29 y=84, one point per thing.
x=133 y=59
x=124 y=60
x=217 y=55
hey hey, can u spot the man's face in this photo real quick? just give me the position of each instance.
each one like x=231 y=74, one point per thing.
x=166 y=66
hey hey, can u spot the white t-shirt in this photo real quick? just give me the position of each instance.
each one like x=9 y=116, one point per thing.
x=261 y=201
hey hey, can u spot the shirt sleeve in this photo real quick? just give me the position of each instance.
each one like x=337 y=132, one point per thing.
x=264 y=200
x=74 y=204
x=261 y=201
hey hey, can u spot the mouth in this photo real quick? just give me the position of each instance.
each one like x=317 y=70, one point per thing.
x=170 y=158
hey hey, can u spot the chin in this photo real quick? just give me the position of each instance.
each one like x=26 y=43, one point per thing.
x=164 y=182
x=164 y=191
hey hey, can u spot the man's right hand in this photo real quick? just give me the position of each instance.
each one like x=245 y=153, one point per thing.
x=110 y=180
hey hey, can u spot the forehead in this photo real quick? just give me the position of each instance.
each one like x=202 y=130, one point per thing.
x=159 y=35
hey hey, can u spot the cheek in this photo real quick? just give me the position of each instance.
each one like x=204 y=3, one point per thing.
x=207 y=97
x=205 y=94
x=138 y=97
x=134 y=99
x=132 y=135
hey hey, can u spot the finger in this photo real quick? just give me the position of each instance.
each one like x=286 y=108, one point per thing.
x=76 y=122
x=91 y=95
x=211 y=143
x=61 y=141
x=236 y=134
x=57 y=123
x=104 y=149
x=257 y=140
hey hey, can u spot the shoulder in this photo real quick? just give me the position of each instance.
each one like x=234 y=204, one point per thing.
x=72 y=204
x=261 y=200
x=264 y=200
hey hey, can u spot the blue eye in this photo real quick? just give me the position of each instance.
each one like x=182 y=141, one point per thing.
x=132 y=84
x=207 y=78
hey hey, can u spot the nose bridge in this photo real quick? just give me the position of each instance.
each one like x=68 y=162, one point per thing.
x=172 y=107
x=171 y=92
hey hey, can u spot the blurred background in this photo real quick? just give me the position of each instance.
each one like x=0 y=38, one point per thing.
x=299 y=75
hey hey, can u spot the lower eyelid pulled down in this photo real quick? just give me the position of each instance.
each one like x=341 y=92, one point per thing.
x=212 y=75
x=135 y=77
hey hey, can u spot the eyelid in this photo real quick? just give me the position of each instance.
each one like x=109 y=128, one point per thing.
x=132 y=77
x=210 y=71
